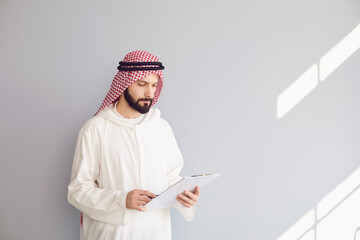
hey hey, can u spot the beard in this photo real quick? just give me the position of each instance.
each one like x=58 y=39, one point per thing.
x=136 y=104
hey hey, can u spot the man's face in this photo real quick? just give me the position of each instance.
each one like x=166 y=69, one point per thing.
x=140 y=94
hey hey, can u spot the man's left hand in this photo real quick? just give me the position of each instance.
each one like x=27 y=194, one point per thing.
x=188 y=199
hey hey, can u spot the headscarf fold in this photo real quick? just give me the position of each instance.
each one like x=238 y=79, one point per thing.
x=123 y=79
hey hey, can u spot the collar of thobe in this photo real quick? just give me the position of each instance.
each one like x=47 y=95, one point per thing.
x=129 y=120
x=111 y=114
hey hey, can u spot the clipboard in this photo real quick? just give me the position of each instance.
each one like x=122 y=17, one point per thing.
x=167 y=198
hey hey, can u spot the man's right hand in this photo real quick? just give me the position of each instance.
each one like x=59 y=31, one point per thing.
x=137 y=197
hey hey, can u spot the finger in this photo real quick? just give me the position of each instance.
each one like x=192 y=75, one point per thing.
x=141 y=209
x=186 y=199
x=185 y=204
x=142 y=203
x=145 y=198
x=197 y=191
x=147 y=193
x=191 y=195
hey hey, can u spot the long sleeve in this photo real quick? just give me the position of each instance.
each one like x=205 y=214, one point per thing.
x=83 y=192
x=175 y=165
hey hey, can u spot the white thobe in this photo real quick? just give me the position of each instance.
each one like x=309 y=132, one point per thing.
x=114 y=156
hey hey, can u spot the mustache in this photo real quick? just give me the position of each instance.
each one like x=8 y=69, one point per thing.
x=145 y=99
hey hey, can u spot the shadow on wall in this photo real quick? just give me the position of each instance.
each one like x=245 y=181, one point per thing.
x=357 y=234
x=318 y=72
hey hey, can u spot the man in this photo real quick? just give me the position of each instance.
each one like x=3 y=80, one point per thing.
x=124 y=156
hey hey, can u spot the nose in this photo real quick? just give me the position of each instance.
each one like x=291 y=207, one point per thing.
x=150 y=91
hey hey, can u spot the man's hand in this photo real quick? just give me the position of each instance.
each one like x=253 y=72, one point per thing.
x=137 y=197
x=188 y=199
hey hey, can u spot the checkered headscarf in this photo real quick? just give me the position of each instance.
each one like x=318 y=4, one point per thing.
x=123 y=79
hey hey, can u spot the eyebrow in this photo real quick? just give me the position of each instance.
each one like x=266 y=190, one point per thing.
x=147 y=82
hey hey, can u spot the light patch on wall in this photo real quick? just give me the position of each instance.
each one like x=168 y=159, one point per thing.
x=328 y=63
x=339 y=53
x=310 y=235
x=303 y=225
x=297 y=91
x=335 y=217
x=335 y=196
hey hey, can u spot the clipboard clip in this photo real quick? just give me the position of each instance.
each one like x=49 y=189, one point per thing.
x=202 y=175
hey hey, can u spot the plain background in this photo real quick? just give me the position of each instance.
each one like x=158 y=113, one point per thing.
x=226 y=62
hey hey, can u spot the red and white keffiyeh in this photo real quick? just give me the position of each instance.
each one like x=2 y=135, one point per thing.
x=123 y=79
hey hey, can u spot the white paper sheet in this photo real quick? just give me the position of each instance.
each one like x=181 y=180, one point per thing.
x=168 y=197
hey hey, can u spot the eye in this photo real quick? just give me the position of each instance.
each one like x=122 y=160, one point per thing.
x=141 y=84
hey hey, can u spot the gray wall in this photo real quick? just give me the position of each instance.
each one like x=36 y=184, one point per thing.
x=226 y=64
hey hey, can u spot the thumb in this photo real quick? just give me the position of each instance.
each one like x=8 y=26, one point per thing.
x=197 y=191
